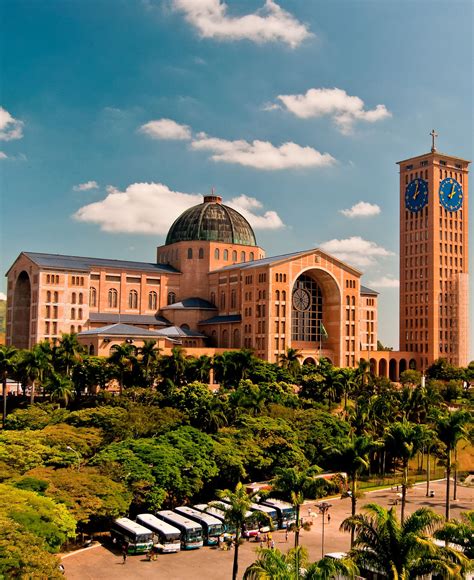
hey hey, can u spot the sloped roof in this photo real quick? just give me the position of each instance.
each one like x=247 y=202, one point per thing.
x=226 y=318
x=85 y=264
x=192 y=304
x=178 y=332
x=121 y=329
x=368 y=291
x=146 y=319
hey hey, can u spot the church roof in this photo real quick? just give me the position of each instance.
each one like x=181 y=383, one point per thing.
x=223 y=319
x=145 y=319
x=84 y=264
x=191 y=304
x=178 y=332
x=121 y=330
x=368 y=291
x=212 y=221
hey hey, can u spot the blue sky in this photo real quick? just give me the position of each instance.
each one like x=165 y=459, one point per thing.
x=117 y=113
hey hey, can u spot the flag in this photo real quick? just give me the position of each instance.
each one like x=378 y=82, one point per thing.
x=322 y=331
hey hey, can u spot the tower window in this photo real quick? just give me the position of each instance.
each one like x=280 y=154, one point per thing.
x=201 y=253
x=190 y=253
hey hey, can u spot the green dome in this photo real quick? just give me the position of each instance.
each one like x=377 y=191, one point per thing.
x=211 y=221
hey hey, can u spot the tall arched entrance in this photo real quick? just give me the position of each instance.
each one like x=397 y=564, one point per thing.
x=315 y=314
x=21 y=311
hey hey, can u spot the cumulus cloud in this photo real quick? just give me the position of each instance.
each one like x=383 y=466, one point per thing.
x=385 y=282
x=261 y=154
x=3 y=296
x=355 y=251
x=151 y=208
x=86 y=186
x=10 y=128
x=269 y=24
x=166 y=129
x=344 y=109
x=3 y=155
x=361 y=209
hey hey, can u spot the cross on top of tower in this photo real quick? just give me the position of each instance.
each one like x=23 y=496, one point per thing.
x=433 y=137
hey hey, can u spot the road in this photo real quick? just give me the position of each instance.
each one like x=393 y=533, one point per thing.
x=99 y=562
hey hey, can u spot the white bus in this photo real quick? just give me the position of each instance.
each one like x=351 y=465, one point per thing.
x=216 y=513
x=167 y=538
x=286 y=512
x=271 y=514
x=211 y=526
x=191 y=532
x=251 y=526
x=136 y=538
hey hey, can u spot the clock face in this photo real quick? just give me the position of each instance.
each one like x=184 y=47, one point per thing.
x=301 y=299
x=416 y=194
x=450 y=194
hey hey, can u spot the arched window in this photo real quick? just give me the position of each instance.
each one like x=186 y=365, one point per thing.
x=79 y=328
x=353 y=301
x=307 y=310
x=92 y=297
x=233 y=299
x=252 y=256
x=80 y=298
x=226 y=255
x=283 y=295
x=73 y=298
x=236 y=339
x=277 y=295
x=242 y=256
x=225 y=339
x=56 y=297
x=48 y=296
x=73 y=314
x=91 y=350
x=73 y=329
x=133 y=299
x=216 y=254
x=348 y=300
x=171 y=298
x=201 y=253
x=112 y=298
x=213 y=298
x=190 y=253
x=222 y=300
x=152 y=300
x=80 y=314
x=234 y=256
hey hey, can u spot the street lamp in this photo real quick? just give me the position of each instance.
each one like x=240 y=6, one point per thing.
x=323 y=508
x=69 y=448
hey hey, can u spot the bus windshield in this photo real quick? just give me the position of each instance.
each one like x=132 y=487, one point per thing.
x=194 y=536
x=215 y=529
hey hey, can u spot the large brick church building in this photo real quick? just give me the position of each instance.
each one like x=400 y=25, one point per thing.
x=212 y=288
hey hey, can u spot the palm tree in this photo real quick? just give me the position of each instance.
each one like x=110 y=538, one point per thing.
x=69 y=351
x=353 y=459
x=8 y=357
x=149 y=355
x=295 y=565
x=292 y=484
x=236 y=508
x=122 y=358
x=400 y=551
x=460 y=533
x=290 y=360
x=60 y=388
x=404 y=440
x=38 y=364
x=173 y=367
x=451 y=427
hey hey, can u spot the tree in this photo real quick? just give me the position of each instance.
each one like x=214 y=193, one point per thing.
x=8 y=355
x=404 y=440
x=148 y=356
x=400 y=550
x=173 y=366
x=236 y=508
x=451 y=427
x=292 y=484
x=290 y=360
x=122 y=359
x=69 y=352
x=39 y=364
x=460 y=533
x=295 y=565
x=59 y=387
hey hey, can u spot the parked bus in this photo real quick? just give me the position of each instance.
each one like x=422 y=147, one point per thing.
x=251 y=526
x=216 y=513
x=286 y=512
x=271 y=514
x=212 y=527
x=191 y=532
x=136 y=538
x=166 y=538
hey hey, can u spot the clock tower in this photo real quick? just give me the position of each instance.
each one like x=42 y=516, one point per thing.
x=434 y=284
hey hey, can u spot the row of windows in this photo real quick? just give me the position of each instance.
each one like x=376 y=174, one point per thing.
x=225 y=255
x=262 y=278
x=448 y=322
x=447 y=348
x=418 y=249
x=77 y=280
x=419 y=215
x=79 y=314
x=416 y=298
x=280 y=310
x=417 y=273
x=76 y=298
x=112 y=299
x=280 y=277
x=50 y=328
x=421 y=261
x=413 y=224
x=350 y=283
x=443 y=173
x=52 y=296
x=248 y=279
x=348 y=314
x=370 y=301
x=452 y=262
x=452 y=223
x=448 y=273
x=280 y=326
x=350 y=329
x=415 y=322
x=350 y=300
x=453 y=249
x=261 y=311
x=262 y=295
x=51 y=312
x=415 y=335
x=452 y=237
x=415 y=286
x=448 y=335
x=280 y=295
x=52 y=279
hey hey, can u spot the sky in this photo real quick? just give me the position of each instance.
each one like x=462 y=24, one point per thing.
x=116 y=115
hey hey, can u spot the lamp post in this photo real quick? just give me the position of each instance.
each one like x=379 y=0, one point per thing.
x=69 y=448
x=323 y=508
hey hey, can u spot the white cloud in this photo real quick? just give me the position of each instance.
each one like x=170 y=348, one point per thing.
x=269 y=24
x=166 y=129
x=151 y=208
x=3 y=296
x=10 y=128
x=385 y=282
x=3 y=155
x=361 y=209
x=261 y=154
x=86 y=186
x=344 y=109
x=355 y=251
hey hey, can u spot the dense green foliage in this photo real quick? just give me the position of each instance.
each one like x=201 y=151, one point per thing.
x=165 y=438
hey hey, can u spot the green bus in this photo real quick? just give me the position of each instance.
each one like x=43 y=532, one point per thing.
x=136 y=538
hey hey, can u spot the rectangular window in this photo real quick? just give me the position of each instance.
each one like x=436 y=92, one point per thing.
x=111 y=278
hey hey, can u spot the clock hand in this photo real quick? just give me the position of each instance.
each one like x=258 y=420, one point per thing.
x=415 y=195
x=451 y=195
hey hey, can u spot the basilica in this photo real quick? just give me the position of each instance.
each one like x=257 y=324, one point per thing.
x=212 y=288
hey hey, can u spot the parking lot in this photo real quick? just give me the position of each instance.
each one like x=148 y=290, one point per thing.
x=213 y=564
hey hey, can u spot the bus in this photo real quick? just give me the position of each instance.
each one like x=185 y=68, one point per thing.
x=271 y=514
x=166 y=538
x=212 y=527
x=251 y=526
x=136 y=538
x=191 y=532
x=217 y=513
x=286 y=512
